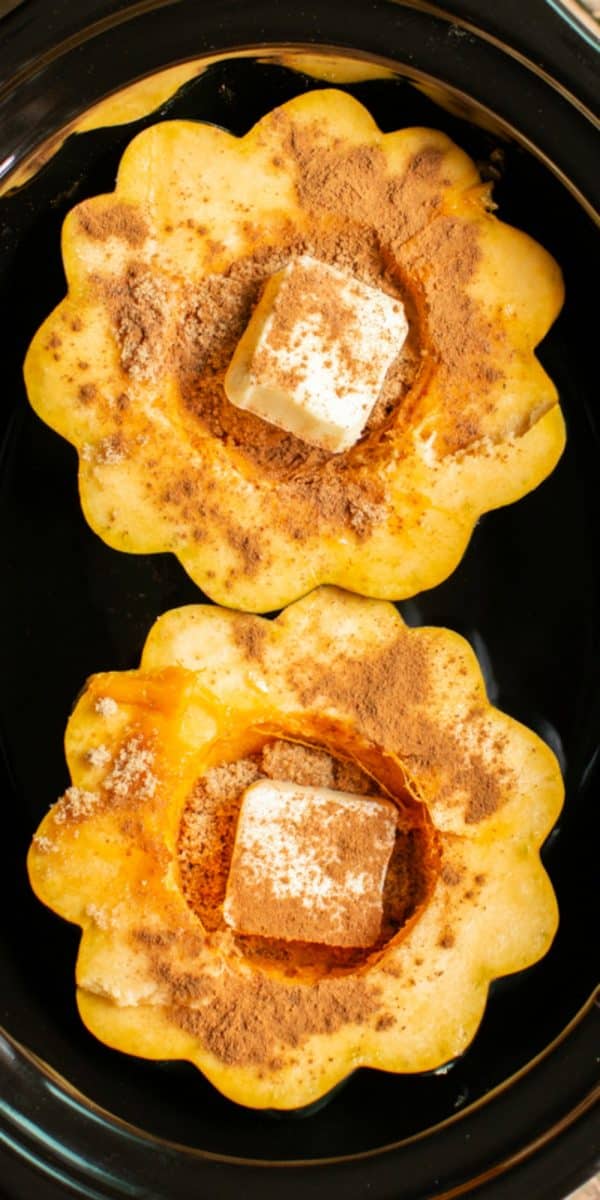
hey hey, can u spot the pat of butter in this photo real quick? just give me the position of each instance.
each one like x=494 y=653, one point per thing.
x=309 y=864
x=315 y=353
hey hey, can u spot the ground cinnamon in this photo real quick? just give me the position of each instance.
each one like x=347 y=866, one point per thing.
x=387 y=694
x=246 y=1019
x=119 y=219
x=384 y=229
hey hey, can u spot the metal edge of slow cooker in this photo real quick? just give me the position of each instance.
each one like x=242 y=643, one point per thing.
x=533 y=71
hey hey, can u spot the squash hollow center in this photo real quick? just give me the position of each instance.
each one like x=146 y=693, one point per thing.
x=218 y=311
x=207 y=834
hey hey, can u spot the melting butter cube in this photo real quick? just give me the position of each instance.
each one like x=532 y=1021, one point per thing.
x=309 y=864
x=315 y=353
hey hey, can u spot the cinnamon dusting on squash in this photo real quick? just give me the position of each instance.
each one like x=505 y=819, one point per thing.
x=121 y=220
x=244 y=1021
x=249 y=635
x=368 y=223
x=387 y=693
x=466 y=418
x=151 y=871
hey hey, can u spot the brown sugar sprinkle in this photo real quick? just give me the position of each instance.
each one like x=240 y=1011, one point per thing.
x=206 y=839
x=226 y=781
x=207 y=834
x=386 y=693
x=98 y=756
x=44 y=844
x=303 y=765
x=75 y=805
x=129 y=781
x=137 y=304
x=131 y=772
x=348 y=777
x=119 y=219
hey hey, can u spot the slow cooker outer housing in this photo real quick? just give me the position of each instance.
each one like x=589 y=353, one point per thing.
x=524 y=63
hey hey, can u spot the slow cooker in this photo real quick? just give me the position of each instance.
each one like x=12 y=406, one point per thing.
x=516 y=86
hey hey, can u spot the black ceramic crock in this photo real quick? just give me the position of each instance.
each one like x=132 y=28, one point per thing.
x=514 y=1117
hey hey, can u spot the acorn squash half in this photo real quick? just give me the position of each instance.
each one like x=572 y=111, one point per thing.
x=162 y=277
x=477 y=793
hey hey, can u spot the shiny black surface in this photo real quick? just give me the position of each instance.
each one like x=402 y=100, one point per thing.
x=523 y=62
x=526 y=595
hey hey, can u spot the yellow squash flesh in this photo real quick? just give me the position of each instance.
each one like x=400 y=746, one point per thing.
x=192 y=202
x=211 y=685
